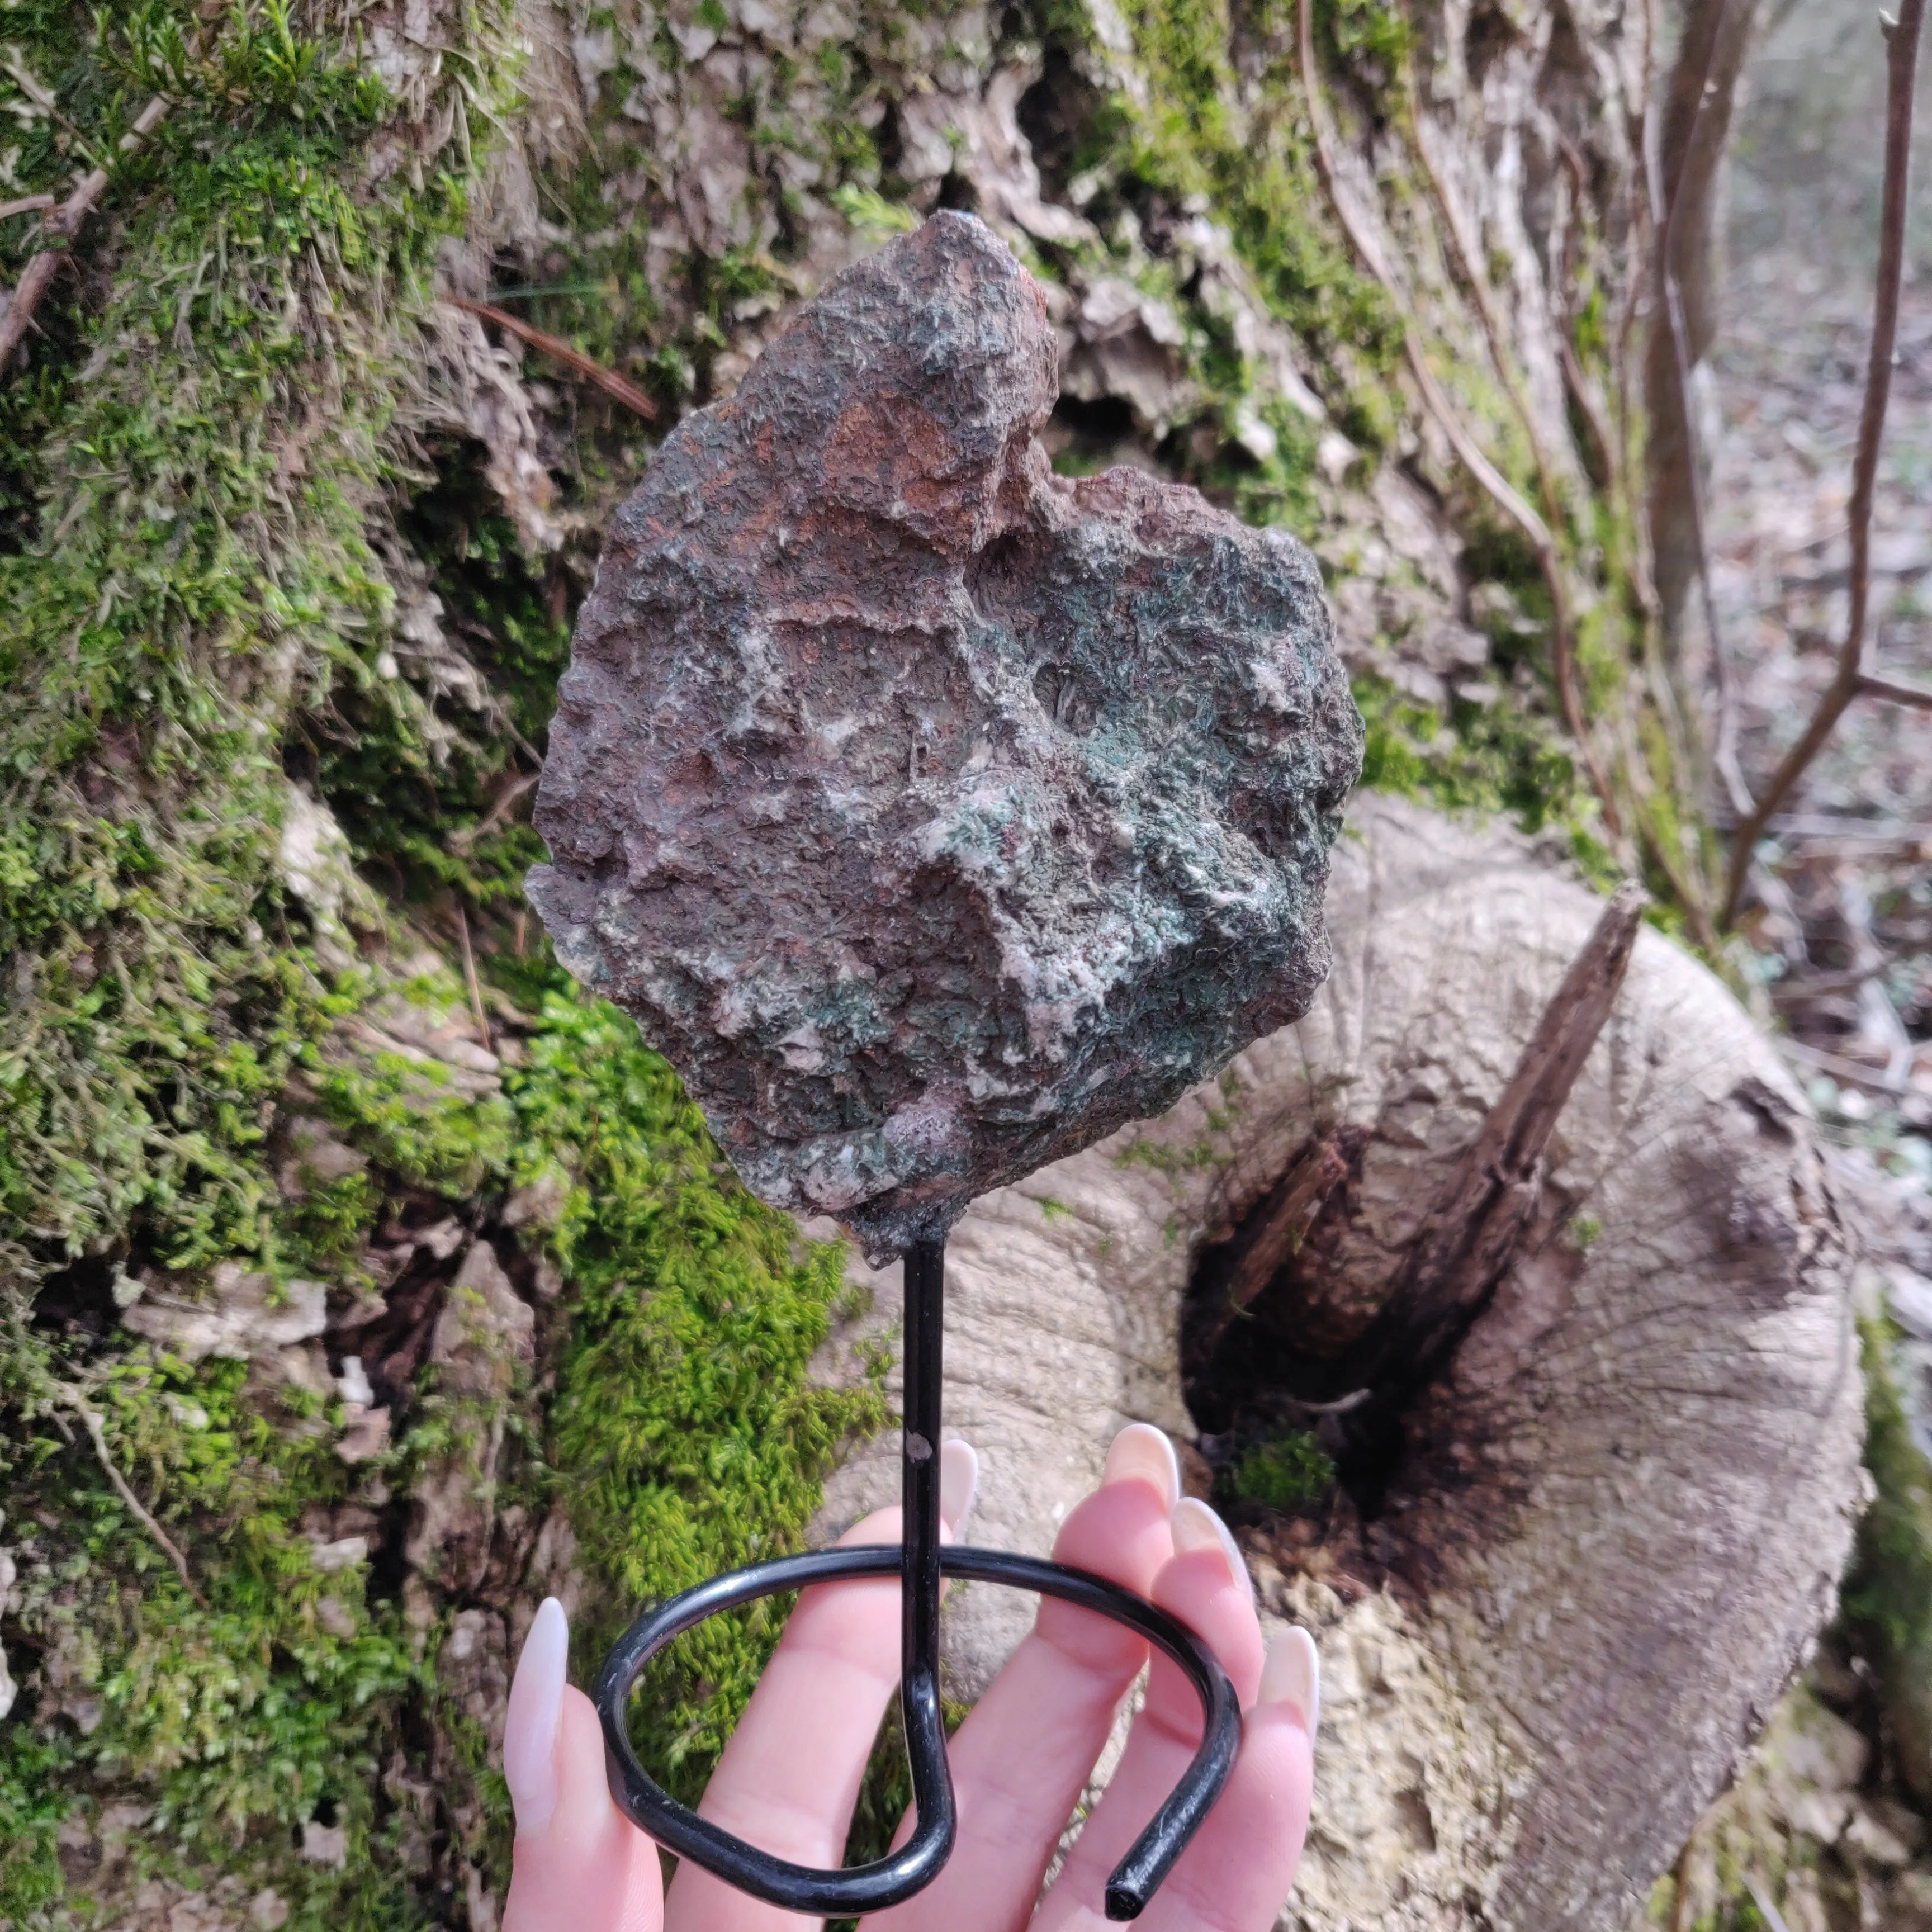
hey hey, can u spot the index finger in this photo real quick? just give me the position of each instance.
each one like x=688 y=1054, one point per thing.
x=789 y=1778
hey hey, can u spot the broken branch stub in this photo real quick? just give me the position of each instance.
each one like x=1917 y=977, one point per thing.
x=1473 y=1235
x=935 y=815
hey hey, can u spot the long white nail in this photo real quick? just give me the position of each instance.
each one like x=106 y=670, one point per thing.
x=959 y=1482
x=1197 y=1527
x=1142 y=1450
x=1292 y=1674
x=535 y=1714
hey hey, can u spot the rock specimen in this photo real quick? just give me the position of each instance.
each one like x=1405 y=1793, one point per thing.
x=933 y=815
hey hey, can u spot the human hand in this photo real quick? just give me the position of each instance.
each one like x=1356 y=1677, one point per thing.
x=789 y=1777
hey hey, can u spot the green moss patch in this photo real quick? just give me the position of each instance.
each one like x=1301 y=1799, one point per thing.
x=1285 y=1474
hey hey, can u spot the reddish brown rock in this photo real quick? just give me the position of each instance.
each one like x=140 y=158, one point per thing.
x=935 y=815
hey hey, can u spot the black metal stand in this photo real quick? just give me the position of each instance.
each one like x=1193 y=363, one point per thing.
x=920 y=1562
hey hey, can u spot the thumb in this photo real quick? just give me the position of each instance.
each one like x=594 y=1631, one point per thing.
x=579 y=1865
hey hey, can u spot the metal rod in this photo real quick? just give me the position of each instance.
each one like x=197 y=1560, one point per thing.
x=920 y=1561
x=872 y=1888
x=925 y=1291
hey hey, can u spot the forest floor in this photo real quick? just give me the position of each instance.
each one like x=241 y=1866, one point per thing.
x=1845 y=940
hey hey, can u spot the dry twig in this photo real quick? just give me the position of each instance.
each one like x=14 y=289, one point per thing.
x=62 y=225
x=1680 y=1903
x=89 y=1419
x=1469 y=452
x=505 y=802
x=1871 y=685
x=1589 y=403
x=1901 y=47
x=470 y=980
x=1771 y=1915
x=613 y=385
x=1468 y=258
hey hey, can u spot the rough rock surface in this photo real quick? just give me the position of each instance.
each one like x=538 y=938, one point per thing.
x=934 y=815
x=1638 y=1478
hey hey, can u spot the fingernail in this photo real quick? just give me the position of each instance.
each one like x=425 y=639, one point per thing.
x=1292 y=1674
x=536 y=1711
x=1197 y=1527
x=959 y=1482
x=1143 y=1450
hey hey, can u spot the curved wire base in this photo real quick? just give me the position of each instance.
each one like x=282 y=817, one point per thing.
x=872 y=1888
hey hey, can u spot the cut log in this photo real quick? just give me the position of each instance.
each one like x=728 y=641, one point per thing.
x=1611 y=1523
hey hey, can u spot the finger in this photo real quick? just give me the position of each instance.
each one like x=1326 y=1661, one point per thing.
x=789 y=1778
x=1236 y=1875
x=579 y=1865
x=1205 y=1584
x=1021 y=1760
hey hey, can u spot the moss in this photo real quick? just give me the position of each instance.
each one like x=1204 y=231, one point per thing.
x=234 y=1717
x=684 y=1431
x=684 y=1437
x=1197 y=137
x=1284 y=1474
x=1365 y=30
x=1496 y=759
x=193 y=565
x=1889 y=1595
x=186 y=564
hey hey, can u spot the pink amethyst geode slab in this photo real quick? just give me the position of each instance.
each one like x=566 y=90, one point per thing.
x=933 y=815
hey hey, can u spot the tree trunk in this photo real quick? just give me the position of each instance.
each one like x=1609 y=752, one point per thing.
x=1558 y=1589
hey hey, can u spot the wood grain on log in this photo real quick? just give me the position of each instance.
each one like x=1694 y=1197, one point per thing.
x=1626 y=1498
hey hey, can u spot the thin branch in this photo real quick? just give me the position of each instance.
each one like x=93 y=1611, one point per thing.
x=1589 y=403
x=504 y=803
x=1680 y=1902
x=1663 y=211
x=1697 y=908
x=1365 y=244
x=1772 y=1916
x=1847 y=1073
x=1872 y=685
x=1901 y=50
x=613 y=385
x=25 y=204
x=1478 y=282
x=1468 y=453
x=469 y=977
x=62 y=225
x=90 y=1420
